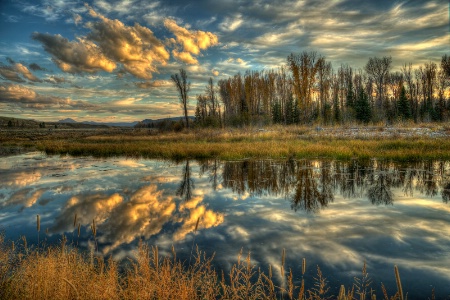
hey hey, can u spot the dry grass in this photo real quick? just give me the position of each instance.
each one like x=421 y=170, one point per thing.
x=65 y=273
x=276 y=142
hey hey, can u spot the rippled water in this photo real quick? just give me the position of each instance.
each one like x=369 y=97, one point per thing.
x=335 y=214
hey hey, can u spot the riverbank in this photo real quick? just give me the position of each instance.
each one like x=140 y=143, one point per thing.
x=397 y=143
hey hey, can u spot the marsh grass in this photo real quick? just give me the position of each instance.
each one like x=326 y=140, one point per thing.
x=63 y=272
x=229 y=145
x=344 y=142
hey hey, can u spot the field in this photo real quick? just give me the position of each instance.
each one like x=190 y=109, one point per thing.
x=398 y=143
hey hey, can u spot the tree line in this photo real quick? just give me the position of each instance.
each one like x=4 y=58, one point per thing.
x=307 y=89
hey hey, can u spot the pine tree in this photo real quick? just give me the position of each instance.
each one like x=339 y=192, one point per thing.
x=404 y=110
x=362 y=107
x=336 y=110
x=276 y=113
x=350 y=99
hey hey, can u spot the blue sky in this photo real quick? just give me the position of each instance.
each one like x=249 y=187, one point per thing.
x=104 y=60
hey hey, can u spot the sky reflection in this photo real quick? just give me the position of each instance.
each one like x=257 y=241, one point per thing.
x=335 y=214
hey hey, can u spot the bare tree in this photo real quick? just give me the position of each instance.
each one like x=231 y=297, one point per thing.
x=378 y=70
x=183 y=87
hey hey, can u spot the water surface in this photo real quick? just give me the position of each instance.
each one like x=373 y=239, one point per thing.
x=335 y=214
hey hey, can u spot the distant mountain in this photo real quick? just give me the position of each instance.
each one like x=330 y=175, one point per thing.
x=119 y=124
x=68 y=120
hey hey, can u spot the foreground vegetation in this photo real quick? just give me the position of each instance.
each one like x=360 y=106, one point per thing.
x=274 y=142
x=66 y=273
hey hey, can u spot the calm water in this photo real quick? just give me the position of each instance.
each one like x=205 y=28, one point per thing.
x=335 y=214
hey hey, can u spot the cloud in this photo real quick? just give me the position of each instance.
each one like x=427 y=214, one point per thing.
x=77 y=19
x=56 y=80
x=185 y=57
x=9 y=73
x=207 y=218
x=76 y=56
x=26 y=73
x=153 y=84
x=15 y=71
x=230 y=24
x=24 y=97
x=191 y=42
x=143 y=215
x=36 y=67
x=215 y=72
x=19 y=179
x=135 y=47
x=87 y=208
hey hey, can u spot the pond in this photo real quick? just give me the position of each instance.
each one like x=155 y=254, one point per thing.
x=336 y=214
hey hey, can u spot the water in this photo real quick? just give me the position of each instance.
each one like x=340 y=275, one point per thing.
x=335 y=214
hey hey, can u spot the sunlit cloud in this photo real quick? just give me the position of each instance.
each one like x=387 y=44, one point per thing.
x=21 y=96
x=76 y=56
x=135 y=47
x=26 y=73
x=20 y=179
x=17 y=72
x=190 y=41
x=231 y=23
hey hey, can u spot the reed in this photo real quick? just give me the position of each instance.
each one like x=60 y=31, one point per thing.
x=69 y=274
x=38 y=228
x=399 y=282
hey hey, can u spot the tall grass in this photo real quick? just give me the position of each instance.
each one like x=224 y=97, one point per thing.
x=62 y=272
x=259 y=145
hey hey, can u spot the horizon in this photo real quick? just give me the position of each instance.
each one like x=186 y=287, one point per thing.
x=111 y=61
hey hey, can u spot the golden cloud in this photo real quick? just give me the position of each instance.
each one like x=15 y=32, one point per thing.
x=190 y=41
x=87 y=208
x=185 y=57
x=26 y=97
x=144 y=215
x=207 y=219
x=135 y=47
x=26 y=73
x=76 y=56
x=21 y=178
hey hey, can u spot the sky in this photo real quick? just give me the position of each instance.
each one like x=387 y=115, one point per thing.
x=111 y=61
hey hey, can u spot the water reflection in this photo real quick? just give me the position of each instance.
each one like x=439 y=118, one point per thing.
x=186 y=184
x=337 y=214
x=311 y=185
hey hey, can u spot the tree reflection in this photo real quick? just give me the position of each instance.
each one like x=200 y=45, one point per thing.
x=446 y=193
x=187 y=184
x=311 y=185
x=380 y=192
x=310 y=194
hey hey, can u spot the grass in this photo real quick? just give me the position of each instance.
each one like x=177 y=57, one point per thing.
x=229 y=144
x=63 y=272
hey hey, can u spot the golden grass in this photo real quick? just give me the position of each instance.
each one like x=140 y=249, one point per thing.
x=66 y=273
x=228 y=144
x=407 y=149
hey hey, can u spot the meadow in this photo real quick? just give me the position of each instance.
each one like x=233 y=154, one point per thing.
x=400 y=143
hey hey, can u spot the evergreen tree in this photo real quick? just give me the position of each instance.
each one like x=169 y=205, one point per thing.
x=336 y=110
x=289 y=110
x=404 y=110
x=362 y=107
x=350 y=97
x=276 y=113
x=296 y=113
